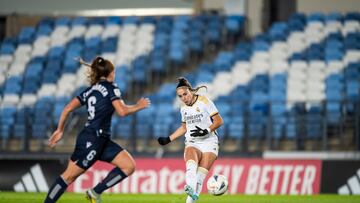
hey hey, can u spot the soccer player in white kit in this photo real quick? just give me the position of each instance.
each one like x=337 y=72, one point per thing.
x=200 y=119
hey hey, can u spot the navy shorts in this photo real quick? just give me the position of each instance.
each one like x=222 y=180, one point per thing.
x=92 y=146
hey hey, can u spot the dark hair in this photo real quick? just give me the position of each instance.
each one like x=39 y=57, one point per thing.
x=99 y=67
x=183 y=82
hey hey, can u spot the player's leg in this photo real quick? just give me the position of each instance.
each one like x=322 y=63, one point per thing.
x=124 y=167
x=192 y=156
x=207 y=160
x=125 y=162
x=88 y=149
x=210 y=150
x=61 y=183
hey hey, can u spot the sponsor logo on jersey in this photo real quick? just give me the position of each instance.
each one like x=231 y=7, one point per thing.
x=194 y=118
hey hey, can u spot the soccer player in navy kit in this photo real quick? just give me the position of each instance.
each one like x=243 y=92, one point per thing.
x=93 y=143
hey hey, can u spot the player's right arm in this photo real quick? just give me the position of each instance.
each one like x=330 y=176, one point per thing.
x=57 y=135
x=178 y=132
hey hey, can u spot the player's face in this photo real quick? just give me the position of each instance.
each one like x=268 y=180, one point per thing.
x=185 y=95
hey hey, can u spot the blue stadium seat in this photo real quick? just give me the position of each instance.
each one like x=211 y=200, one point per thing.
x=96 y=21
x=39 y=131
x=5 y=132
x=7 y=48
x=161 y=130
x=143 y=130
x=26 y=35
x=139 y=69
x=20 y=131
x=62 y=21
x=236 y=128
x=44 y=30
x=334 y=16
x=333 y=112
x=314 y=120
x=80 y=20
x=123 y=131
x=131 y=20
x=315 y=17
x=234 y=23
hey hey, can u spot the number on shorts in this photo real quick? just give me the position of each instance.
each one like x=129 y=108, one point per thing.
x=91 y=155
x=91 y=107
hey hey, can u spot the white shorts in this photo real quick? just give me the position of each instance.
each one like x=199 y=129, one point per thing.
x=209 y=144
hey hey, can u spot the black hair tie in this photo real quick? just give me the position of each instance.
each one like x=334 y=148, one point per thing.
x=101 y=61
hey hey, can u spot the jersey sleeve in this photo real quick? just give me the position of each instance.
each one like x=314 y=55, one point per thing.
x=114 y=92
x=182 y=115
x=211 y=108
x=82 y=97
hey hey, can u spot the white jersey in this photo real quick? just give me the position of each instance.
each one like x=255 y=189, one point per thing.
x=199 y=114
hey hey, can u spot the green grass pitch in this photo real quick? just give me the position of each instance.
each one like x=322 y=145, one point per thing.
x=12 y=197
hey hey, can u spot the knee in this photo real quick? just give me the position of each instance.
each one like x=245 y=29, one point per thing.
x=130 y=169
x=125 y=162
x=69 y=177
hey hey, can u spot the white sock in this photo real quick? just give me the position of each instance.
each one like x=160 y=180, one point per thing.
x=190 y=175
x=200 y=176
x=189 y=200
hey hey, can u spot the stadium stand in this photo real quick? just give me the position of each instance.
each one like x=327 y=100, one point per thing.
x=40 y=75
x=297 y=82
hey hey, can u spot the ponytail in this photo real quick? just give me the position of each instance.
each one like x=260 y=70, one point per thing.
x=197 y=88
x=99 y=68
x=82 y=62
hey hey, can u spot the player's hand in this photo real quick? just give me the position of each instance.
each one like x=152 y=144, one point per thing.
x=164 y=140
x=55 y=138
x=198 y=132
x=143 y=102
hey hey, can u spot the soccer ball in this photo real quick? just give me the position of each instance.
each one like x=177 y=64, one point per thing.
x=217 y=185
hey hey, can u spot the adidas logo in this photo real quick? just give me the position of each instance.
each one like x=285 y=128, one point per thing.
x=33 y=181
x=352 y=186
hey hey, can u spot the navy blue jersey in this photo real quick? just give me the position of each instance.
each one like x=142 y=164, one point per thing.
x=98 y=100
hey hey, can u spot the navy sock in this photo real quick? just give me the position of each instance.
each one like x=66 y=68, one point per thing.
x=56 y=190
x=115 y=176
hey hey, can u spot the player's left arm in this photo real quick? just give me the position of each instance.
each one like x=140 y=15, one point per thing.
x=215 y=116
x=217 y=122
x=123 y=109
x=57 y=135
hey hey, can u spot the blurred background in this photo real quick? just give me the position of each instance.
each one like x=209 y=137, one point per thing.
x=284 y=74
